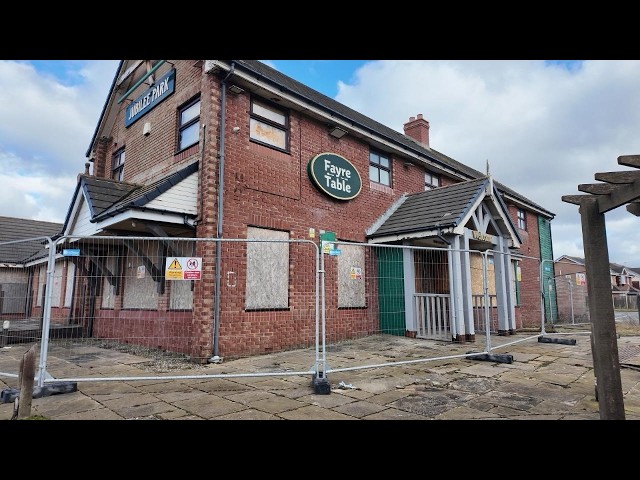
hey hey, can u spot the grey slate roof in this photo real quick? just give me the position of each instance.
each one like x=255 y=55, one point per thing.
x=264 y=72
x=578 y=260
x=107 y=198
x=141 y=195
x=12 y=229
x=102 y=193
x=440 y=207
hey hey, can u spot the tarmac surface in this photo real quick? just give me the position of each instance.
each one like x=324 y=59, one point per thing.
x=543 y=381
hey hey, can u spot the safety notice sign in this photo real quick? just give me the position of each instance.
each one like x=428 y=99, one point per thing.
x=183 y=268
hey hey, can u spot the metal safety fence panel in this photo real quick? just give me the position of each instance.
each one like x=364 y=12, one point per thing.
x=26 y=275
x=142 y=307
x=388 y=305
x=569 y=281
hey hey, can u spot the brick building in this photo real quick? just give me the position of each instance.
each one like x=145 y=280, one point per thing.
x=233 y=149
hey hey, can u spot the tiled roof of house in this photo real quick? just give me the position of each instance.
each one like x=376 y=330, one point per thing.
x=437 y=208
x=23 y=240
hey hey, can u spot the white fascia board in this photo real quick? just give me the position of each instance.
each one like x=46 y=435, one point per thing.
x=409 y=236
x=212 y=65
x=167 y=217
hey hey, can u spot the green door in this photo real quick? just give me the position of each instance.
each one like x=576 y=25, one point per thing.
x=546 y=257
x=391 y=290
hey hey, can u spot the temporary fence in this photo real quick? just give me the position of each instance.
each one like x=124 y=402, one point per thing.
x=569 y=281
x=166 y=300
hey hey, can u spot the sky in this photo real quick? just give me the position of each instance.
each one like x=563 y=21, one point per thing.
x=543 y=127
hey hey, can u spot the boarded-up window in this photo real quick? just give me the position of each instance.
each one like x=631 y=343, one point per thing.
x=71 y=273
x=42 y=280
x=109 y=289
x=140 y=289
x=13 y=297
x=181 y=296
x=13 y=290
x=58 y=280
x=351 y=276
x=267 y=269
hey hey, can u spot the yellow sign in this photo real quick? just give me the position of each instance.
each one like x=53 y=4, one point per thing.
x=175 y=265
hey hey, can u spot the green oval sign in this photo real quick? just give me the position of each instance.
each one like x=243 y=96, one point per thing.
x=335 y=175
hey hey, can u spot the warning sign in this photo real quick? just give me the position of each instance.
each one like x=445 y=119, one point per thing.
x=183 y=268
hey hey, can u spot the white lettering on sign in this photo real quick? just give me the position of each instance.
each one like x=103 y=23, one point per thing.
x=150 y=97
x=336 y=177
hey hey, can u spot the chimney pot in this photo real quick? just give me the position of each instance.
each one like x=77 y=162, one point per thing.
x=418 y=129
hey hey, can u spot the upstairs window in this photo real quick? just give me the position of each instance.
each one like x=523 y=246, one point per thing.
x=522 y=219
x=117 y=165
x=431 y=181
x=269 y=125
x=379 y=168
x=189 y=126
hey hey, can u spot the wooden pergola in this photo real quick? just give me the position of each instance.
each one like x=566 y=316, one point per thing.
x=615 y=189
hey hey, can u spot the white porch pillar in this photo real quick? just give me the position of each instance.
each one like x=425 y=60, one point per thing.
x=467 y=290
x=501 y=285
x=411 y=324
x=457 y=332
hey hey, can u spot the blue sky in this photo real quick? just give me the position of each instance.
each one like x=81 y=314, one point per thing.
x=544 y=127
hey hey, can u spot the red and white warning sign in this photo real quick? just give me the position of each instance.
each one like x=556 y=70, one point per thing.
x=183 y=268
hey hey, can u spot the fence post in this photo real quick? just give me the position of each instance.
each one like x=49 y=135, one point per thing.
x=25 y=382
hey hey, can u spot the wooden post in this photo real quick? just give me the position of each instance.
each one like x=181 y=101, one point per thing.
x=25 y=382
x=604 y=339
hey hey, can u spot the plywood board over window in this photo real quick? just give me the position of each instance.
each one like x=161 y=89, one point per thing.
x=267 y=269
x=351 y=277
x=140 y=289
x=181 y=296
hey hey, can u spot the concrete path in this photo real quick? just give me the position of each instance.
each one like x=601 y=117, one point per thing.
x=544 y=381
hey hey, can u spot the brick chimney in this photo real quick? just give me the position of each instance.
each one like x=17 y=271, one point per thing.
x=418 y=129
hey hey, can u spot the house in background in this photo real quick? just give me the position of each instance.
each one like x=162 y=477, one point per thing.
x=23 y=269
x=571 y=285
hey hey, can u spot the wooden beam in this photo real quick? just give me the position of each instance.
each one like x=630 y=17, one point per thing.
x=102 y=268
x=629 y=160
x=156 y=273
x=575 y=199
x=597 y=188
x=621 y=195
x=160 y=232
x=618 y=177
x=634 y=208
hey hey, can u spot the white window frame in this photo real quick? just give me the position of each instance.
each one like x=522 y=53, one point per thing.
x=522 y=219
x=379 y=167
x=189 y=125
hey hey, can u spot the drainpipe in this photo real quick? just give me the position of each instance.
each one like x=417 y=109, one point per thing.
x=215 y=358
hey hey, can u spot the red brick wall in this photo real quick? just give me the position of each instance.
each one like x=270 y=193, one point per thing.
x=151 y=157
x=528 y=313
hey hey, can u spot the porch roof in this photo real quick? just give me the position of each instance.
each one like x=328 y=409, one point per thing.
x=437 y=209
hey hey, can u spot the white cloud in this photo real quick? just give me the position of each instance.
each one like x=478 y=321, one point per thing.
x=45 y=131
x=544 y=130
